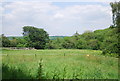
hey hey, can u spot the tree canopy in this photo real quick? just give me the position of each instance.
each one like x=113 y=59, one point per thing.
x=35 y=37
x=116 y=13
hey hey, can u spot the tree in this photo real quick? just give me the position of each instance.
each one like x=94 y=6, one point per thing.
x=81 y=44
x=21 y=42
x=116 y=13
x=35 y=37
x=13 y=42
x=5 y=41
x=88 y=35
x=111 y=42
x=93 y=44
x=49 y=45
x=68 y=43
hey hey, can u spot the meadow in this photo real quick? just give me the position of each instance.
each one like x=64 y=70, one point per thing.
x=58 y=64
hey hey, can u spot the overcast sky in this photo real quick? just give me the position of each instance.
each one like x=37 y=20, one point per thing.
x=57 y=18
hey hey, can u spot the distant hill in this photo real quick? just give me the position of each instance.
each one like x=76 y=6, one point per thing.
x=51 y=37
x=11 y=37
x=55 y=37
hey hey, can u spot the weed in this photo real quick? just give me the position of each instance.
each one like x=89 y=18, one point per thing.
x=64 y=72
x=40 y=74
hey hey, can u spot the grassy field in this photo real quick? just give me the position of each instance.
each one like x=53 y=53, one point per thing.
x=58 y=64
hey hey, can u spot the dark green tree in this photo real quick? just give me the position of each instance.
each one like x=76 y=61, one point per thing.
x=116 y=13
x=111 y=44
x=35 y=37
x=68 y=43
x=5 y=41
x=81 y=44
x=21 y=42
x=13 y=42
x=88 y=35
x=93 y=44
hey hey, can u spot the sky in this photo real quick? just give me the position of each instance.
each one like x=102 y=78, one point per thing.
x=57 y=18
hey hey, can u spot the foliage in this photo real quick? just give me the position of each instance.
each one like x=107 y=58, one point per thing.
x=13 y=42
x=5 y=41
x=116 y=13
x=68 y=43
x=81 y=44
x=35 y=37
x=105 y=40
x=93 y=44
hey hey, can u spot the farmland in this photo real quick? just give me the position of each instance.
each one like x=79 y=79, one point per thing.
x=58 y=64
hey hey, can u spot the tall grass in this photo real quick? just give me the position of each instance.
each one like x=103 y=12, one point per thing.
x=58 y=64
x=40 y=74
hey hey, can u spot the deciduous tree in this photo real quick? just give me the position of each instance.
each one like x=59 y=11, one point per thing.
x=35 y=37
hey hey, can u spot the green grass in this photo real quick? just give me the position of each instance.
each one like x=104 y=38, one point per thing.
x=58 y=64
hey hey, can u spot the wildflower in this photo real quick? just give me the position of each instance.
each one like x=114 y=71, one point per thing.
x=88 y=55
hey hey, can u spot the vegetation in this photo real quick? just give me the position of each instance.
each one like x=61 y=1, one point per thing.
x=116 y=13
x=35 y=37
x=81 y=56
x=5 y=41
x=105 y=40
x=58 y=64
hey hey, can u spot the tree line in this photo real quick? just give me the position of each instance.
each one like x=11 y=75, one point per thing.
x=106 y=40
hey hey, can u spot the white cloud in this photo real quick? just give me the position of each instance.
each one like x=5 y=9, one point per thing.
x=54 y=19
x=62 y=0
x=1 y=13
x=58 y=15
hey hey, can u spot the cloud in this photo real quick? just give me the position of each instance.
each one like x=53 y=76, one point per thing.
x=56 y=20
x=58 y=15
x=1 y=13
x=62 y=0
